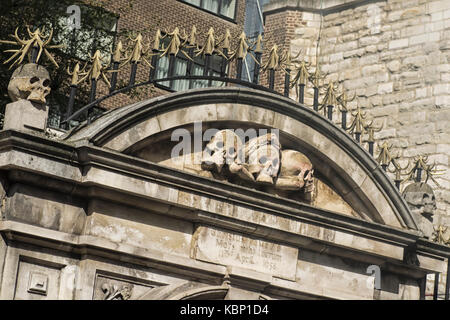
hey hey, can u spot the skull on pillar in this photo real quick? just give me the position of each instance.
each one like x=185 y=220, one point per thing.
x=30 y=82
x=421 y=201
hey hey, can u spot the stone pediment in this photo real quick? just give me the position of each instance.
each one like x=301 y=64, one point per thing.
x=346 y=178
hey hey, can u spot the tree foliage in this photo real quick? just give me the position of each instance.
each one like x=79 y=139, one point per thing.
x=98 y=19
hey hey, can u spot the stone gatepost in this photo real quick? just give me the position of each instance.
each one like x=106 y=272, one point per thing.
x=28 y=87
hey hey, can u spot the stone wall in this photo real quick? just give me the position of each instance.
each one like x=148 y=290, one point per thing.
x=394 y=56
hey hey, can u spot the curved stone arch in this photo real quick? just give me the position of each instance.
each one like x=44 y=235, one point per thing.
x=188 y=290
x=361 y=181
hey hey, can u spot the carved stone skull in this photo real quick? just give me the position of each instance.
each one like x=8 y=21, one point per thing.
x=263 y=154
x=296 y=172
x=222 y=149
x=421 y=201
x=30 y=82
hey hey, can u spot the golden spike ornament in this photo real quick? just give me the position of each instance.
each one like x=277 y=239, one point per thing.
x=76 y=74
x=273 y=61
x=371 y=129
x=138 y=51
x=210 y=46
x=35 y=41
x=358 y=124
x=385 y=157
x=344 y=100
x=301 y=75
x=176 y=43
x=330 y=98
x=258 y=44
x=398 y=169
x=315 y=77
x=96 y=70
x=192 y=40
x=117 y=55
x=243 y=49
x=421 y=163
x=439 y=235
x=157 y=40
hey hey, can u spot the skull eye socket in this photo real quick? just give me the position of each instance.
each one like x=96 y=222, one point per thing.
x=231 y=150
x=34 y=79
x=306 y=173
x=275 y=162
x=262 y=160
x=219 y=144
x=46 y=83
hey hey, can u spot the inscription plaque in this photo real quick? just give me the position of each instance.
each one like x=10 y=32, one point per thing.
x=233 y=249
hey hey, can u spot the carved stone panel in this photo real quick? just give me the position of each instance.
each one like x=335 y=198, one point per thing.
x=108 y=287
x=227 y=248
x=37 y=282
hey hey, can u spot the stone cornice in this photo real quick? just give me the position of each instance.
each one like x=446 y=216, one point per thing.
x=111 y=124
x=321 y=7
x=85 y=156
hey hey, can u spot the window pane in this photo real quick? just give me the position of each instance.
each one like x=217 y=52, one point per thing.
x=194 y=2
x=227 y=8
x=217 y=83
x=198 y=71
x=211 y=5
x=216 y=63
x=162 y=70
x=180 y=70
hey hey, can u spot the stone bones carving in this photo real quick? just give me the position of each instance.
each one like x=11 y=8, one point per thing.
x=30 y=82
x=421 y=201
x=260 y=161
x=113 y=292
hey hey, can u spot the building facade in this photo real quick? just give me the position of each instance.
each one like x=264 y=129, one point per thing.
x=232 y=191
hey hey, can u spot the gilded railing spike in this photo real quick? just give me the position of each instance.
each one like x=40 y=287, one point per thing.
x=76 y=73
x=273 y=60
x=138 y=51
x=384 y=157
x=32 y=47
x=258 y=45
x=117 y=55
x=157 y=40
x=192 y=40
x=96 y=70
x=439 y=235
x=226 y=43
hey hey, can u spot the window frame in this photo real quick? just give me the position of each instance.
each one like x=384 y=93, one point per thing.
x=191 y=85
x=218 y=14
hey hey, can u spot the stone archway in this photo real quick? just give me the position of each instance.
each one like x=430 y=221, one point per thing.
x=352 y=171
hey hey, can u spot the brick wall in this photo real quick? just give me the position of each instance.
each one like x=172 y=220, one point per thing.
x=281 y=32
x=146 y=16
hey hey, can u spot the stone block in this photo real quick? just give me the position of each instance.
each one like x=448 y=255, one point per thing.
x=394 y=65
x=443 y=88
x=427 y=37
x=385 y=88
x=24 y=115
x=400 y=43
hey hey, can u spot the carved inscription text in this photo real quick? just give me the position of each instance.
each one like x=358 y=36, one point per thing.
x=233 y=249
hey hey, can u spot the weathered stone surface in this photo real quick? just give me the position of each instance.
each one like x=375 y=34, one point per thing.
x=25 y=115
x=233 y=249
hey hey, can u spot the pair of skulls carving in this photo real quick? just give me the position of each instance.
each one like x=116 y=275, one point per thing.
x=260 y=160
x=30 y=82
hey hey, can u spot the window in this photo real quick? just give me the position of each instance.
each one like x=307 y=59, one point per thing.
x=225 y=8
x=185 y=67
